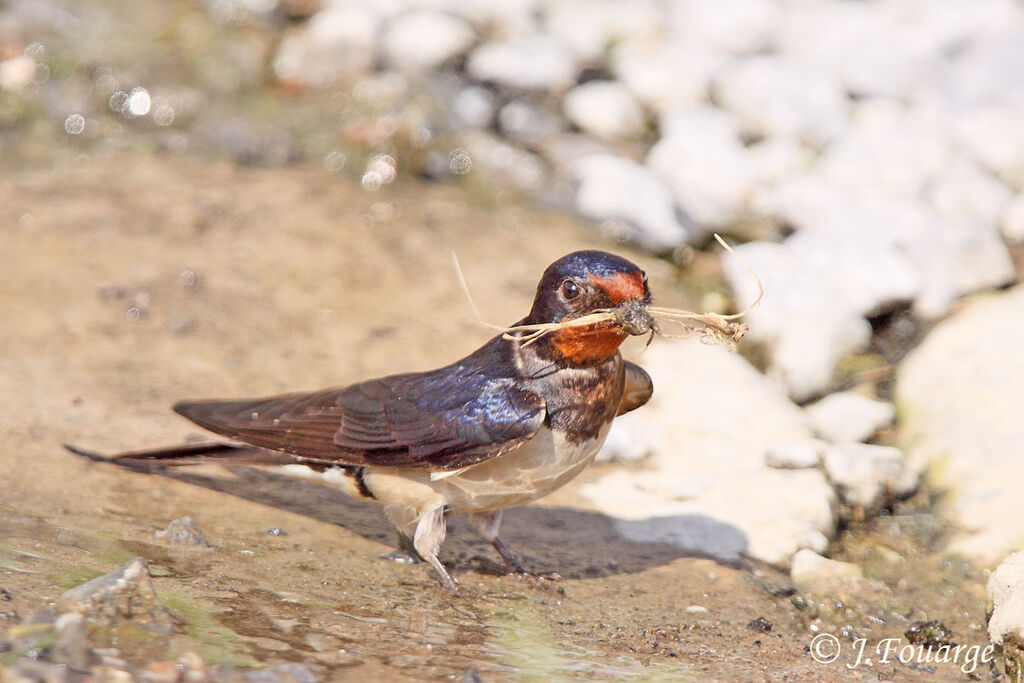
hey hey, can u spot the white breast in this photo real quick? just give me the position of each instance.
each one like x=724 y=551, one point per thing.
x=544 y=463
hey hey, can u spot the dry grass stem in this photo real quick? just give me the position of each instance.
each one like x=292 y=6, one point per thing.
x=713 y=328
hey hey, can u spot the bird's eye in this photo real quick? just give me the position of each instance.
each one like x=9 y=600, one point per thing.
x=570 y=290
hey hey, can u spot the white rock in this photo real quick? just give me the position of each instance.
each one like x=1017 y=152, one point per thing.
x=813 y=573
x=795 y=455
x=955 y=259
x=914 y=252
x=535 y=62
x=987 y=71
x=665 y=76
x=473 y=106
x=888 y=151
x=423 y=40
x=883 y=65
x=1006 y=595
x=959 y=395
x=776 y=97
x=336 y=44
x=610 y=188
x=963 y=192
x=626 y=442
x=503 y=164
x=774 y=158
x=564 y=149
x=589 y=27
x=509 y=19
x=737 y=26
x=865 y=474
x=871 y=274
x=528 y=123
x=847 y=416
x=706 y=487
x=807 y=319
x=605 y=109
x=1012 y=221
x=702 y=160
x=994 y=138
x=878 y=50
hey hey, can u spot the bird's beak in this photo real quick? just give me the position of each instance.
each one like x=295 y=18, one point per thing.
x=634 y=318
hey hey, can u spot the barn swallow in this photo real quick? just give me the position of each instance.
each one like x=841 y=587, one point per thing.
x=502 y=427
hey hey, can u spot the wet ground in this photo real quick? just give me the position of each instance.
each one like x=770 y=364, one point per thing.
x=221 y=253
x=131 y=281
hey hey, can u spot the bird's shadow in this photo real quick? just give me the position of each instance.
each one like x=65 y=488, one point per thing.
x=572 y=542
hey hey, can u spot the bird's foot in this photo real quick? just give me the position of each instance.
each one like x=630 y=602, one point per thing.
x=402 y=557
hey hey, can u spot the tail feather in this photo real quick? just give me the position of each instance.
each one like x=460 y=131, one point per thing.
x=189 y=454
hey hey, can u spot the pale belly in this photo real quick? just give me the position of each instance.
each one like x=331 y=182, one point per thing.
x=541 y=465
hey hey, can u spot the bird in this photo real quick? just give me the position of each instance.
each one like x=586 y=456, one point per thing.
x=508 y=424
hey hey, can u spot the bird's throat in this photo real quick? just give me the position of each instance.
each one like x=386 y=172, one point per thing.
x=587 y=345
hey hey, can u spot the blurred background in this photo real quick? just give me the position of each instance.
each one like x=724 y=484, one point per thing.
x=232 y=197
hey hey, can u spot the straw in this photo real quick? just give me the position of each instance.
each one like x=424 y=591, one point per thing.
x=713 y=328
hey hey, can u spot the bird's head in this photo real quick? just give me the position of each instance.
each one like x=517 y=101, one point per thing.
x=585 y=282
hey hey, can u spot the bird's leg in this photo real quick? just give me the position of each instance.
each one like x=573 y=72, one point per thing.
x=430 y=532
x=486 y=524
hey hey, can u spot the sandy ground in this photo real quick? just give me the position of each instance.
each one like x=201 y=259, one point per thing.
x=129 y=283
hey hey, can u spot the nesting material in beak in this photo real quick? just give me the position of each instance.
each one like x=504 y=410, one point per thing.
x=634 y=318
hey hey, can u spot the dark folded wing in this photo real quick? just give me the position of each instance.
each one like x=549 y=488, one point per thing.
x=639 y=388
x=443 y=419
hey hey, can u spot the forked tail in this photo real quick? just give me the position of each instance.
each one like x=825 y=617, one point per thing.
x=189 y=454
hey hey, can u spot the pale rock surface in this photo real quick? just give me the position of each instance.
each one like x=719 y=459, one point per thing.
x=1006 y=623
x=610 y=188
x=847 y=416
x=737 y=27
x=665 y=76
x=1006 y=594
x=777 y=97
x=993 y=137
x=473 y=107
x=777 y=157
x=959 y=395
x=528 y=123
x=605 y=109
x=337 y=43
x=701 y=158
x=795 y=455
x=813 y=573
x=627 y=441
x=590 y=27
x=706 y=486
x=502 y=163
x=534 y=62
x=866 y=474
x=1011 y=222
x=422 y=40
x=806 y=317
